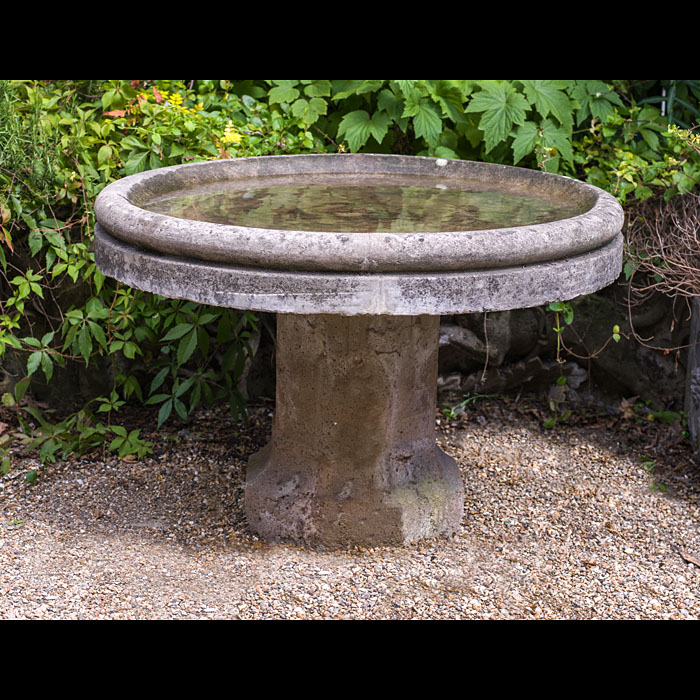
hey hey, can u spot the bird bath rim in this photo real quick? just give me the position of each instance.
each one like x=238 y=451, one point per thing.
x=352 y=459
x=119 y=209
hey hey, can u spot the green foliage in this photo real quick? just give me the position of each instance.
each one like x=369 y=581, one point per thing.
x=454 y=412
x=678 y=97
x=649 y=466
x=61 y=142
x=505 y=121
x=636 y=154
x=643 y=413
x=611 y=133
x=527 y=122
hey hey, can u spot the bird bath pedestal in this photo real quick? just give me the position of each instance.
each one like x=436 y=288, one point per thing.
x=358 y=255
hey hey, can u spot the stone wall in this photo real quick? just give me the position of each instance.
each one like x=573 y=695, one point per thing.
x=516 y=351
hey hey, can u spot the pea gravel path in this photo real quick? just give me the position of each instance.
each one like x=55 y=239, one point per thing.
x=559 y=524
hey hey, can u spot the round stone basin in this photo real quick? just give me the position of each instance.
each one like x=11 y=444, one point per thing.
x=376 y=204
x=358 y=255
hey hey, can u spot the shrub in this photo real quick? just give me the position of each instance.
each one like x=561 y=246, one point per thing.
x=61 y=142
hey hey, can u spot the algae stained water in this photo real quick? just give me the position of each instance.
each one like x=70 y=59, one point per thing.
x=372 y=205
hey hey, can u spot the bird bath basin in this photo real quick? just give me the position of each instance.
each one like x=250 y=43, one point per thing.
x=358 y=255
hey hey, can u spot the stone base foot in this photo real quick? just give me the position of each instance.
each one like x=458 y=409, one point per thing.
x=353 y=459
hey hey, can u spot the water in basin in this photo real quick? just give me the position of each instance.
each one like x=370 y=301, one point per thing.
x=368 y=205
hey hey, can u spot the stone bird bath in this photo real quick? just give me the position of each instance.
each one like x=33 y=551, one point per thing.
x=358 y=255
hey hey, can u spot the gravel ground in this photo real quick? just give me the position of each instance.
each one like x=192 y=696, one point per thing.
x=559 y=524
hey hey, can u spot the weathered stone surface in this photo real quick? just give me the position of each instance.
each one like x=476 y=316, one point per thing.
x=290 y=292
x=522 y=350
x=470 y=341
x=529 y=376
x=692 y=387
x=628 y=368
x=118 y=210
x=353 y=458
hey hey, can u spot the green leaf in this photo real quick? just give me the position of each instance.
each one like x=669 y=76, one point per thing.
x=318 y=88
x=554 y=136
x=187 y=347
x=448 y=94
x=131 y=143
x=132 y=386
x=182 y=388
x=137 y=163
x=195 y=396
x=21 y=388
x=99 y=279
x=366 y=86
x=125 y=448
x=33 y=362
x=208 y=317
x=309 y=110
x=502 y=107
x=564 y=307
x=177 y=331
x=164 y=412
x=158 y=398
x=180 y=408
x=31 y=476
x=427 y=122
x=159 y=379
x=104 y=154
x=549 y=96
x=46 y=339
x=357 y=127
x=203 y=341
x=34 y=342
x=117 y=442
x=393 y=106
x=345 y=88
x=527 y=137
x=58 y=269
x=46 y=365
x=406 y=86
x=595 y=98
x=85 y=343
x=130 y=349
x=107 y=98
x=98 y=333
x=36 y=241
x=283 y=92
x=445 y=152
